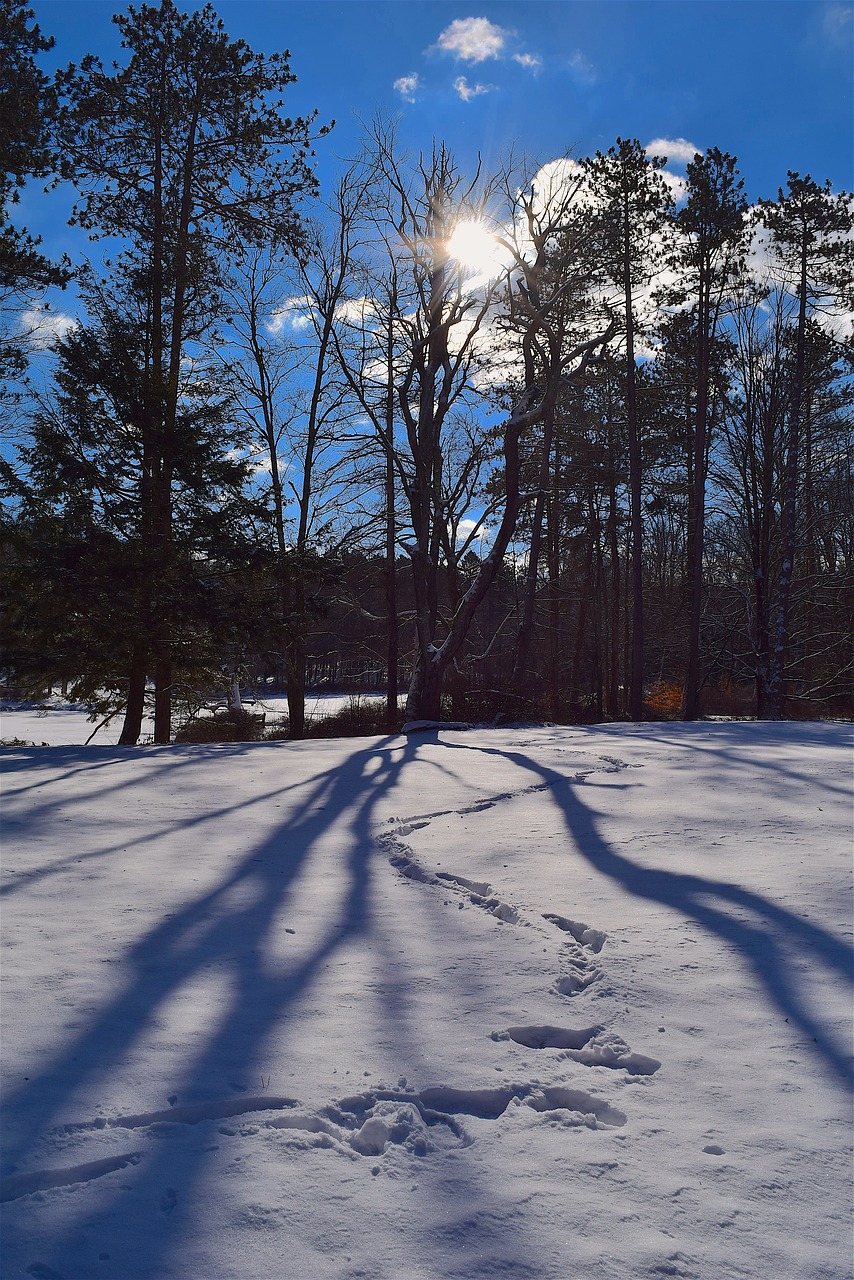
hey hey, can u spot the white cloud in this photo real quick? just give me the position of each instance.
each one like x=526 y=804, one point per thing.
x=474 y=529
x=43 y=326
x=554 y=185
x=293 y=313
x=468 y=91
x=473 y=39
x=677 y=186
x=582 y=68
x=407 y=86
x=531 y=61
x=356 y=311
x=677 y=150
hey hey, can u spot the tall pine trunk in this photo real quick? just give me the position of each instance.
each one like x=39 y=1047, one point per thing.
x=635 y=488
x=612 y=699
x=697 y=509
x=780 y=636
x=521 y=663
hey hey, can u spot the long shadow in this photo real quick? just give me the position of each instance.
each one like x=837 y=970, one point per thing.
x=745 y=742
x=177 y=949
x=226 y=929
x=210 y=816
x=180 y=946
x=765 y=945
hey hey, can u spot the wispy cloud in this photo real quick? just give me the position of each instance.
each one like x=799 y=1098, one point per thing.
x=837 y=21
x=581 y=68
x=531 y=61
x=677 y=150
x=408 y=86
x=468 y=91
x=473 y=39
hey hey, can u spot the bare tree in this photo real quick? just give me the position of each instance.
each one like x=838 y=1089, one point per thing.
x=280 y=360
x=450 y=332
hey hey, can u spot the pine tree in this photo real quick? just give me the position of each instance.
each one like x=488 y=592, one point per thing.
x=84 y=539
x=811 y=235
x=710 y=261
x=175 y=152
x=631 y=202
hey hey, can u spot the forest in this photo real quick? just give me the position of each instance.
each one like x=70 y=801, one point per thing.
x=566 y=441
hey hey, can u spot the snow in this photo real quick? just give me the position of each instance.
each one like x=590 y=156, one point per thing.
x=529 y=1002
x=56 y=723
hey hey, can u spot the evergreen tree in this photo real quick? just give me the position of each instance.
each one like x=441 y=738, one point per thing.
x=82 y=543
x=811 y=235
x=174 y=153
x=709 y=260
x=631 y=202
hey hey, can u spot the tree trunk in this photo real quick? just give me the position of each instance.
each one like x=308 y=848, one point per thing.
x=612 y=701
x=776 y=683
x=635 y=486
x=162 y=697
x=392 y=636
x=691 y=695
x=521 y=672
x=392 y=646
x=424 y=700
x=555 y=624
x=135 y=707
x=296 y=662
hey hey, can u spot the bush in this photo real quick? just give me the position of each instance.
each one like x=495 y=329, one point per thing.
x=223 y=726
x=487 y=706
x=663 y=700
x=362 y=718
x=279 y=730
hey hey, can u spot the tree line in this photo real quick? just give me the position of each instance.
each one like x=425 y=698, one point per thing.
x=571 y=441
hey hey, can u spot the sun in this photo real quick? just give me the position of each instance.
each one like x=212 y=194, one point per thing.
x=474 y=247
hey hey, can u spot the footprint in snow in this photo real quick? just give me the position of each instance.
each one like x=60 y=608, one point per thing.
x=593 y=939
x=478 y=892
x=591 y=1046
x=440 y=1105
x=576 y=981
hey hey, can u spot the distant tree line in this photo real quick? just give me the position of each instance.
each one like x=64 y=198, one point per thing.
x=570 y=443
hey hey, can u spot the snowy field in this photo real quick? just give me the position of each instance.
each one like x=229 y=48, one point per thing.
x=61 y=724
x=548 y=1004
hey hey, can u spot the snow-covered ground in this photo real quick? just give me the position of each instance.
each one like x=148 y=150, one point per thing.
x=56 y=723
x=533 y=1003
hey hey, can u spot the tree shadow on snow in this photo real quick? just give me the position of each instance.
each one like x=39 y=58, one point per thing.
x=225 y=929
x=769 y=937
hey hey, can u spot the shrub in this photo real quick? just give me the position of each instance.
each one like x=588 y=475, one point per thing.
x=223 y=726
x=664 y=700
x=277 y=730
x=364 y=717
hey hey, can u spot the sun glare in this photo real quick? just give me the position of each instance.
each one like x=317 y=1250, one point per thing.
x=473 y=246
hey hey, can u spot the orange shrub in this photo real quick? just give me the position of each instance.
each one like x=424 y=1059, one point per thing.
x=664 y=699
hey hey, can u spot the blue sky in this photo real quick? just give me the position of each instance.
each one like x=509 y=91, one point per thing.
x=768 y=80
